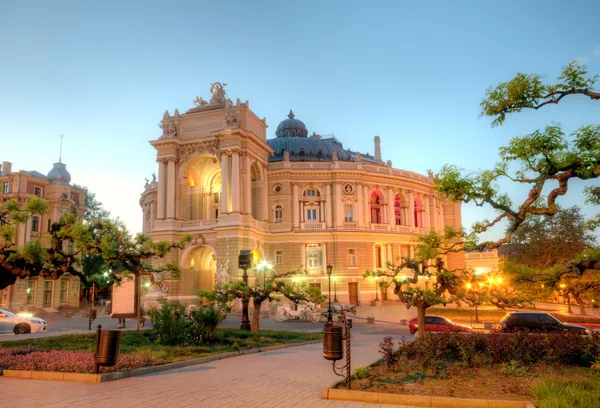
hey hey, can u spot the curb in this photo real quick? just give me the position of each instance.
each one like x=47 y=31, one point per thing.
x=119 y=375
x=419 y=400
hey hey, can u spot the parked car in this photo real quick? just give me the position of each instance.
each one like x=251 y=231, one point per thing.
x=437 y=324
x=20 y=324
x=537 y=322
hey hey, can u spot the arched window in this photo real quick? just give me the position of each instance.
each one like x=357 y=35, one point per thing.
x=278 y=216
x=311 y=192
x=398 y=209
x=418 y=212
x=375 y=206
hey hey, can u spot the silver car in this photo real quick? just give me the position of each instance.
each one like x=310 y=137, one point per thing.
x=20 y=324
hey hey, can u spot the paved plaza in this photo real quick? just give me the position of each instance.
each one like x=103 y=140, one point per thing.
x=291 y=377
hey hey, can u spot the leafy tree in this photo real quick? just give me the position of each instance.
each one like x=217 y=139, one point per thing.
x=527 y=91
x=545 y=158
x=547 y=241
x=14 y=262
x=94 y=208
x=71 y=242
x=427 y=263
x=273 y=286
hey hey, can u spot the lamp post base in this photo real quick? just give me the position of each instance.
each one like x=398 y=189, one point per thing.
x=245 y=317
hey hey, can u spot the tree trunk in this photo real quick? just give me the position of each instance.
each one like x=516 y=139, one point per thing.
x=421 y=321
x=580 y=304
x=256 y=317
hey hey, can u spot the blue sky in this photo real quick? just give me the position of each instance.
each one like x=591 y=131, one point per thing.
x=103 y=73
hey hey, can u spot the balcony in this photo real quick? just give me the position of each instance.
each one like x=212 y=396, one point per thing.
x=313 y=226
x=350 y=226
x=380 y=227
x=198 y=225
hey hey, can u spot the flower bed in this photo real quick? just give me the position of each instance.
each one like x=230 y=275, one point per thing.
x=497 y=366
x=32 y=359
x=74 y=353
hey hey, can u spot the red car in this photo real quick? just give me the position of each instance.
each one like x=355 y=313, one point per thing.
x=437 y=324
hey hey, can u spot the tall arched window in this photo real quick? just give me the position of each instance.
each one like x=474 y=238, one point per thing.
x=375 y=206
x=398 y=209
x=418 y=212
x=278 y=216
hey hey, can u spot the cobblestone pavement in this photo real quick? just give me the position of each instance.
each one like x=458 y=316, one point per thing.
x=292 y=377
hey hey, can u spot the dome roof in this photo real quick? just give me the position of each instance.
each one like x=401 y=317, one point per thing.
x=59 y=174
x=291 y=127
x=307 y=149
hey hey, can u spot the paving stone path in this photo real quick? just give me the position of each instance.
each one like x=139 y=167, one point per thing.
x=291 y=377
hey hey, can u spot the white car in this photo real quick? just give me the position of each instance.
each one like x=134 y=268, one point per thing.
x=20 y=324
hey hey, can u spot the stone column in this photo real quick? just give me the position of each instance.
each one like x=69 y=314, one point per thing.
x=389 y=253
x=391 y=209
x=162 y=189
x=411 y=209
x=360 y=214
x=247 y=202
x=224 y=184
x=265 y=195
x=339 y=212
x=427 y=220
x=442 y=220
x=295 y=209
x=434 y=216
x=411 y=251
x=235 y=182
x=367 y=209
x=328 y=212
x=171 y=180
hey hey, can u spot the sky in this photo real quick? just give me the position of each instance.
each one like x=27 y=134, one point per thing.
x=413 y=72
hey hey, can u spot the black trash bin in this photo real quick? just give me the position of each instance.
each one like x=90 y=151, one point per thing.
x=107 y=352
x=332 y=342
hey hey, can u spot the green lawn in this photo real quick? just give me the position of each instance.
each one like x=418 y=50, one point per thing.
x=140 y=344
x=579 y=391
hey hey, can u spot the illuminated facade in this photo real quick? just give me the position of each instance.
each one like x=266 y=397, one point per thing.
x=295 y=200
x=38 y=293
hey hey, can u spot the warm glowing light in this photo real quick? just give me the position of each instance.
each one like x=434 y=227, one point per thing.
x=28 y=290
x=499 y=280
x=491 y=281
x=296 y=279
x=25 y=314
x=264 y=266
x=335 y=278
x=192 y=263
x=191 y=181
x=469 y=286
x=402 y=278
x=147 y=284
x=481 y=284
x=255 y=257
x=562 y=285
x=376 y=277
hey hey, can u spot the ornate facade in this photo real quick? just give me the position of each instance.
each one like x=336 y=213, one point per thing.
x=294 y=200
x=39 y=293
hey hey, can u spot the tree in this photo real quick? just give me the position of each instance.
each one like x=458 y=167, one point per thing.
x=71 y=242
x=427 y=263
x=547 y=241
x=544 y=159
x=94 y=208
x=13 y=261
x=274 y=285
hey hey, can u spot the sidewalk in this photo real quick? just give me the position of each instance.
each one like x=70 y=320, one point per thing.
x=293 y=377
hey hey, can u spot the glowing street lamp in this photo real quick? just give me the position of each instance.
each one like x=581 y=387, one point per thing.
x=264 y=266
x=468 y=285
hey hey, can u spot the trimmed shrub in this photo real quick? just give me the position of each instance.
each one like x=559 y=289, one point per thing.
x=476 y=349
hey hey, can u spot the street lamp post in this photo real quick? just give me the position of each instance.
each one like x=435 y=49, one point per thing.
x=376 y=288
x=329 y=311
x=244 y=261
x=335 y=289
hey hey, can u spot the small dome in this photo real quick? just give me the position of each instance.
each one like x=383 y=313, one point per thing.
x=59 y=174
x=291 y=127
